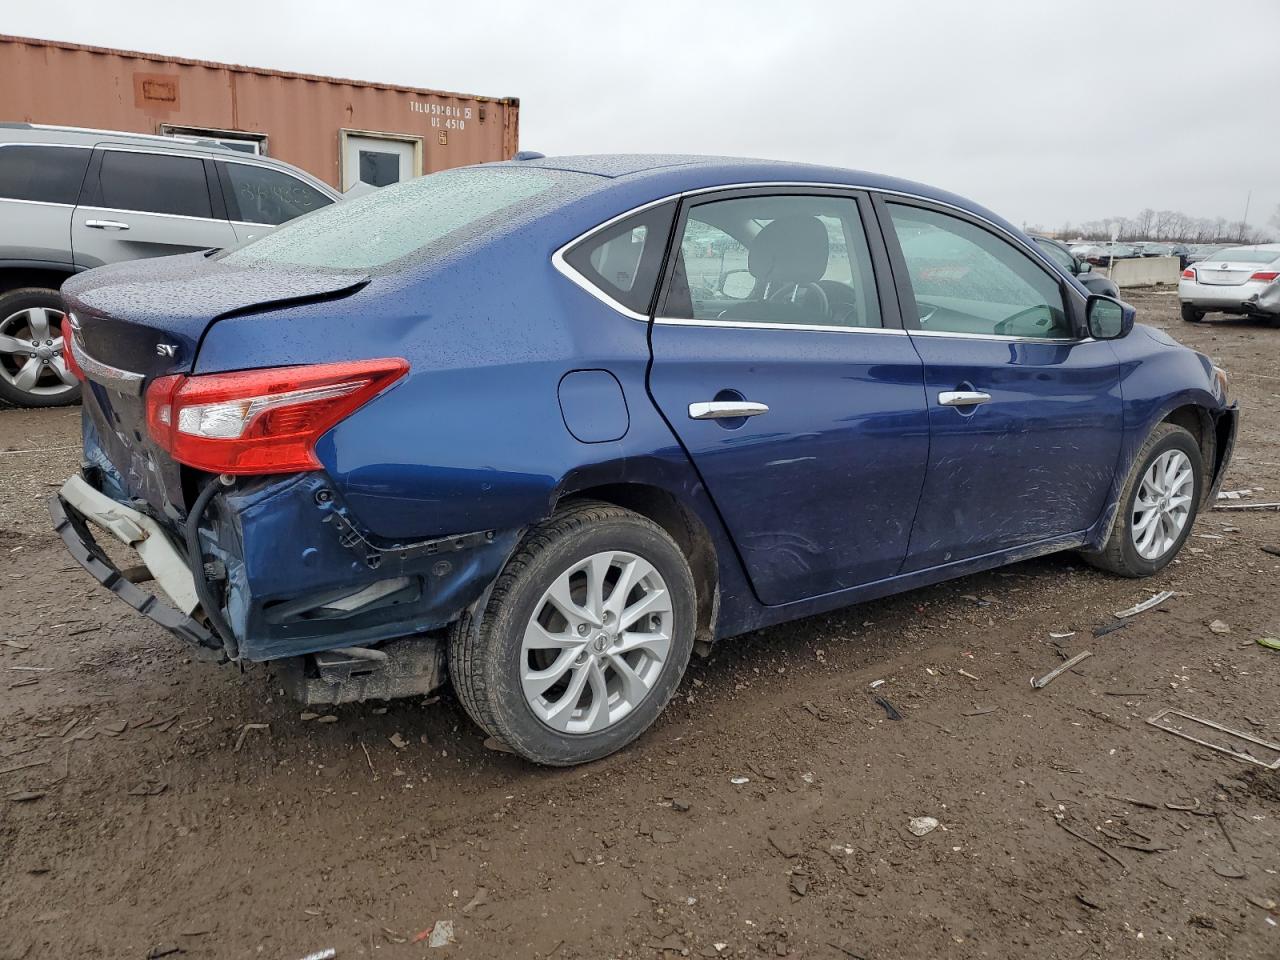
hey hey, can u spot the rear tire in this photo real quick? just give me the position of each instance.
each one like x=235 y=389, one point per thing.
x=32 y=370
x=625 y=670
x=1133 y=547
x=1191 y=314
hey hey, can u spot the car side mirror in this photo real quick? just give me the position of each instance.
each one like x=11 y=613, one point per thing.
x=1083 y=266
x=737 y=284
x=1109 y=319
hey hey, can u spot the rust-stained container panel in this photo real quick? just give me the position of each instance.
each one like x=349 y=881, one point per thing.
x=302 y=117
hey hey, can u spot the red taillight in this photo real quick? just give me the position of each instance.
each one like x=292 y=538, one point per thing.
x=1265 y=275
x=68 y=354
x=1189 y=273
x=261 y=421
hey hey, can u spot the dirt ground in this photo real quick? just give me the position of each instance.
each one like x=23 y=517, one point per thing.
x=766 y=814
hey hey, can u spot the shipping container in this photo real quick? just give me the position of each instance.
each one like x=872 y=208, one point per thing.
x=342 y=131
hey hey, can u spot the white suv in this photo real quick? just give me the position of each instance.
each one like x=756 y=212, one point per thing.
x=72 y=199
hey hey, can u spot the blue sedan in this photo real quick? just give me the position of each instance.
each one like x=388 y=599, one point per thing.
x=540 y=426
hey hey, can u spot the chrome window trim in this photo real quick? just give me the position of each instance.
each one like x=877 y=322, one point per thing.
x=1005 y=338
x=149 y=213
x=765 y=325
x=38 y=203
x=114 y=378
x=558 y=261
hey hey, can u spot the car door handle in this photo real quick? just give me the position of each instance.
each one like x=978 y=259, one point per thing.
x=106 y=225
x=962 y=398
x=725 y=409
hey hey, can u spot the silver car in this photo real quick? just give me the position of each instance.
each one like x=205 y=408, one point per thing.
x=1237 y=280
x=72 y=199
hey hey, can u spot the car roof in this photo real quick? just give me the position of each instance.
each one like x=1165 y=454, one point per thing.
x=89 y=137
x=669 y=174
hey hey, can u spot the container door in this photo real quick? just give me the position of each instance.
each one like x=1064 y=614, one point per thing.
x=378 y=161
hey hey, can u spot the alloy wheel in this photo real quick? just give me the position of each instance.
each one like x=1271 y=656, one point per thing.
x=31 y=352
x=596 y=643
x=1162 y=505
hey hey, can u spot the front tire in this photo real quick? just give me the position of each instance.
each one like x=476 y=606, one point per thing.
x=1191 y=314
x=1158 y=505
x=584 y=637
x=33 y=371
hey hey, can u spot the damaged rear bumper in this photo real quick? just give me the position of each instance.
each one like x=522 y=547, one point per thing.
x=77 y=505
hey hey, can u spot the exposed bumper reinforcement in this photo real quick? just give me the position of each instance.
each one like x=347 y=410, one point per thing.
x=72 y=524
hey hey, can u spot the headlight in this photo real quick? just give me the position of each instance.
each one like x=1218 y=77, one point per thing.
x=1220 y=376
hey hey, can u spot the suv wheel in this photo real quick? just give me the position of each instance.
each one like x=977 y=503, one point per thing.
x=33 y=372
x=584 y=637
x=1157 y=506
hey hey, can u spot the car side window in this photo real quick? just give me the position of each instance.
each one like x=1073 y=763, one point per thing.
x=154 y=183
x=624 y=259
x=257 y=194
x=1058 y=256
x=785 y=259
x=967 y=280
x=42 y=174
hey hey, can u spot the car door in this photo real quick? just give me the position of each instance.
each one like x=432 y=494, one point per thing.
x=780 y=363
x=1024 y=409
x=39 y=183
x=259 y=197
x=138 y=204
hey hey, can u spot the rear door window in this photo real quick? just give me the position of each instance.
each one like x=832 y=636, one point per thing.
x=257 y=194
x=624 y=260
x=42 y=174
x=154 y=183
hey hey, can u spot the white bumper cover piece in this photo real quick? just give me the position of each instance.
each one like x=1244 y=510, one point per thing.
x=166 y=563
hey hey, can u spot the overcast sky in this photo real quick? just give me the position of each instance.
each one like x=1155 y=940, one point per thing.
x=1043 y=111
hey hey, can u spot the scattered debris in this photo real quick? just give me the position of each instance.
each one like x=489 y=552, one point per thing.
x=1184 y=807
x=1246 y=506
x=496 y=745
x=307 y=715
x=799 y=885
x=441 y=934
x=1106 y=628
x=1042 y=682
x=25 y=796
x=1273 y=549
x=680 y=806
x=328 y=953
x=1217 y=815
x=739 y=780
x=1145 y=605
x=966 y=673
x=398 y=741
x=875 y=683
x=148 y=789
x=479 y=900
x=1062 y=636
x=327 y=718
x=922 y=825
x=164 y=950
x=244 y=732
x=24 y=766
x=784 y=847
x=1228 y=870
x=1136 y=802
x=1219 y=626
x=1248 y=738
x=1093 y=843
x=980 y=711
x=1271 y=643
x=26 y=646
x=889 y=709
x=1234 y=494
x=1088 y=902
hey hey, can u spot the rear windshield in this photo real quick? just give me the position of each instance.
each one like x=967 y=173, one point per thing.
x=1245 y=255
x=440 y=211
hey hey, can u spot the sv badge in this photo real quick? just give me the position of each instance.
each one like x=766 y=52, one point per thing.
x=166 y=349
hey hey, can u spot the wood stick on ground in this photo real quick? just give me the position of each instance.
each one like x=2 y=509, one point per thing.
x=1093 y=843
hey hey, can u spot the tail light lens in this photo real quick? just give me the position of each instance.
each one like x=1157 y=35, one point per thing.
x=1189 y=273
x=1265 y=275
x=261 y=421
x=68 y=351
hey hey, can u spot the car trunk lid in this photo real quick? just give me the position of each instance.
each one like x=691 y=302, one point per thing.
x=1227 y=273
x=134 y=322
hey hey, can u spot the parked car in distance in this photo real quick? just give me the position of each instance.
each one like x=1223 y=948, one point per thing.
x=72 y=199
x=1100 y=254
x=1239 y=281
x=1082 y=270
x=553 y=454
x=1202 y=251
